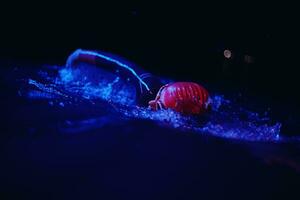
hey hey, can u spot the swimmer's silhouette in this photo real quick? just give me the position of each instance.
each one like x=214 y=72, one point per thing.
x=184 y=97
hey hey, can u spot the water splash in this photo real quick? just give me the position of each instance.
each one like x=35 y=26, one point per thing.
x=220 y=122
x=226 y=119
x=94 y=83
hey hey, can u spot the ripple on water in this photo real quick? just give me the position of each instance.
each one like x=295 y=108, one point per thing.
x=226 y=119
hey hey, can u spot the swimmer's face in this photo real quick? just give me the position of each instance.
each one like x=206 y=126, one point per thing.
x=153 y=105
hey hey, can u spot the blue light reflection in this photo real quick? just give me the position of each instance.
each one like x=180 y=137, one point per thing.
x=89 y=83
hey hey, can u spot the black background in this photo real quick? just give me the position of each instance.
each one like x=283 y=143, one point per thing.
x=180 y=40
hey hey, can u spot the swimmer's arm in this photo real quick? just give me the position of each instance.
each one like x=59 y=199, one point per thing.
x=80 y=55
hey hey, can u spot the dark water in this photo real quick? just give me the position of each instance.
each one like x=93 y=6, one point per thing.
x=80 y=133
